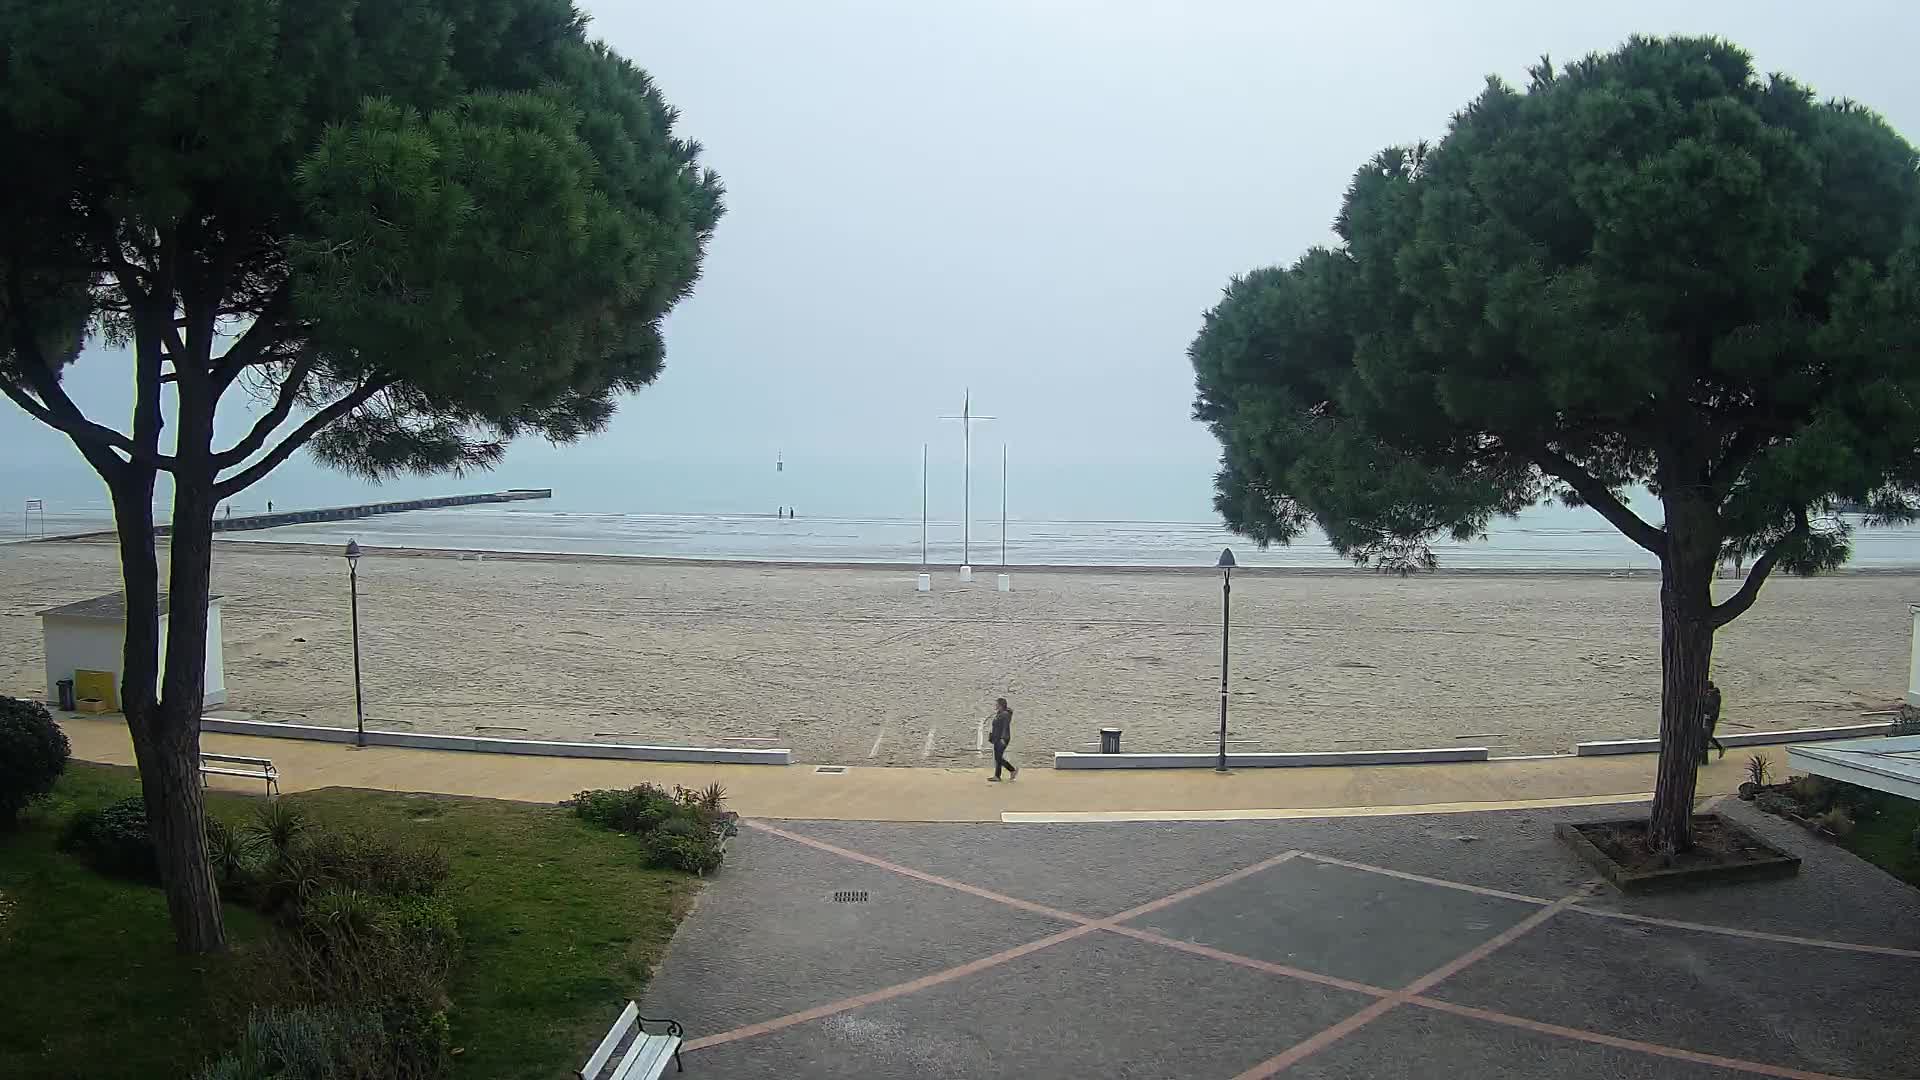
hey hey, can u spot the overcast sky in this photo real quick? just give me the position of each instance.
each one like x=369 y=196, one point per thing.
x=1038 y=199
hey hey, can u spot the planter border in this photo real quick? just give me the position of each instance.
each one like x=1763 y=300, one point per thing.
x=1071 y=760
x=1781 y=865
x=1744 y=738
x=483 y=744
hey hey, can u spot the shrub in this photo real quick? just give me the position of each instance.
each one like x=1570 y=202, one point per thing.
x=684 y=844
x=33 y=754
x=378 y=864
x=114 y=839
x=305 y=1043
x=634 y=810
x=1758 y=769
x=1837 y=821
x=391 y=1041
x=233 y=853
x=1812 y=793
x=278 y=825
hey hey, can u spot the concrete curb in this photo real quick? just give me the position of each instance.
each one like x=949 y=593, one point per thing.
x=1749 y=738
x=486 y=745
x=1269 y=761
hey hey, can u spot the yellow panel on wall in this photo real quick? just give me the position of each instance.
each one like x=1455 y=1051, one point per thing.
x=97 y=684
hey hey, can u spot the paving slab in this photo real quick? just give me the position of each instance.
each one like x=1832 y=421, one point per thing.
x=1099 y=1006
x=1840 y=1013
x=767 y=937
x=1348 y=923
x=1418 y=1044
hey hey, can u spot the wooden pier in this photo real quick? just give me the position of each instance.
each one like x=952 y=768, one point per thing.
x=244 y=522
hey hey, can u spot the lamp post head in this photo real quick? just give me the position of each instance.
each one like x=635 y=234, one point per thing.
x=353 y=552
x=1226 y=559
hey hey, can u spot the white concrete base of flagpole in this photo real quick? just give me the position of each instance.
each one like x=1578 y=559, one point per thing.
x=966 y=573
x=923 y=583
x=1005 y=583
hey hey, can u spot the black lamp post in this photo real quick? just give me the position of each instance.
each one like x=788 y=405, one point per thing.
x=353 y=586
x=1226 y=630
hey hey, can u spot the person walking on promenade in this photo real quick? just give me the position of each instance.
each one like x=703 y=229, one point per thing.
x=1000 y=736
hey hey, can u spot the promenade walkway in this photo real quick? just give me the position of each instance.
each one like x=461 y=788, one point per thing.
x=948 y=794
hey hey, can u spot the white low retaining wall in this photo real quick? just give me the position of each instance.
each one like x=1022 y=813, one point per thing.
x=724 y=755
x=1745 y=738
x=1269 y=761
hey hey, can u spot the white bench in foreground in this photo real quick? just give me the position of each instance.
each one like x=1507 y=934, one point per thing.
x=645 y=1056
x=252 y=768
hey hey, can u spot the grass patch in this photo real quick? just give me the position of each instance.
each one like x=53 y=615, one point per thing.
x=1885 y=838
x=561 y=926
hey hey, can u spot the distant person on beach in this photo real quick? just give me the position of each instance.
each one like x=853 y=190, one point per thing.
x=1000 y=736
x=269 y=506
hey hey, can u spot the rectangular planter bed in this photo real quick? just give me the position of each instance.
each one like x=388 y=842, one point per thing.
x=1724 y=852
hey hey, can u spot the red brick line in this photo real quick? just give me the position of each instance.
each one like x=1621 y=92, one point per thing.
x=1413 y=994
x=1605 y=913
x=1753 y=935
x=1424 y=880
x=1617 y=1042
x=911 y=986
x=1086 y=926
x=921 y=875
x=1319 y=1041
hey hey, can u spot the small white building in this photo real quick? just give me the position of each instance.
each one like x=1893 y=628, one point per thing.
x=90 y=635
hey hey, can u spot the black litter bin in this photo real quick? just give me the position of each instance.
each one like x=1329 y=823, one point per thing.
x=66 y=694
x=1109 y=740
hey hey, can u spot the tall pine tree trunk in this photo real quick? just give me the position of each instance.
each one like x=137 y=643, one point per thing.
x=166 y=738
x=1686 y=655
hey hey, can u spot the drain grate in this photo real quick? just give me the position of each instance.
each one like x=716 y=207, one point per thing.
x=830 y=768
x=850 y=896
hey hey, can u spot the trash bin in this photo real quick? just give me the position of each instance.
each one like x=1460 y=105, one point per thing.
x=66 y=694
x=1109 y=740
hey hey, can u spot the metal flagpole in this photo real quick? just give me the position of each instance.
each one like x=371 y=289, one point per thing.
x=923 y=506
x=1003 y=506
x=967 y=419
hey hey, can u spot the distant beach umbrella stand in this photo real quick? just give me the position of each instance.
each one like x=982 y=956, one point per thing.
x=353 y=589
x=1226 y=565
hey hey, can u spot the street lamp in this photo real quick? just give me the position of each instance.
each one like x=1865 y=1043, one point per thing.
x=1226 y=629
x=353 y=586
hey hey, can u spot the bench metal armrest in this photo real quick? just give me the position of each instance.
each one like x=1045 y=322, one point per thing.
x=673 y=1026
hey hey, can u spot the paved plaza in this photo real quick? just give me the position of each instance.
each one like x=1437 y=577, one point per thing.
x=1464 y=945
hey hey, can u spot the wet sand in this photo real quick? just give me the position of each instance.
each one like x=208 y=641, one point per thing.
x=851 y=665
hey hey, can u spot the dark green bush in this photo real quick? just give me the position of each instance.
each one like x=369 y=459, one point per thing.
x=234 y=855
x=278 y=825
x=634 y=810
x=114 y=839
x=33 y=754
x=684 y=844
x=681 y=831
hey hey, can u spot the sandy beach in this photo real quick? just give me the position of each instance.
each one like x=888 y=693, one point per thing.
x=852 y=666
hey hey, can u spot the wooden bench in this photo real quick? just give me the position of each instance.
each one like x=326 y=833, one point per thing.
x=643 y=1055
x=252 y=768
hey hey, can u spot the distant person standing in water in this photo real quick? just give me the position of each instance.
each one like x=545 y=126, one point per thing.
x=1000 y=736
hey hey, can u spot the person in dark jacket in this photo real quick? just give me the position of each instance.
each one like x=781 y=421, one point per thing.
x=1000 y=736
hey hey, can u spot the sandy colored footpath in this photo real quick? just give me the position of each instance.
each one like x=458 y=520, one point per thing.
x=853 y=666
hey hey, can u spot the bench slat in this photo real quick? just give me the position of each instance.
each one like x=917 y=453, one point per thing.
x=648 y=1058
x=591 y=1070
x=267 y=762
x=236 y=772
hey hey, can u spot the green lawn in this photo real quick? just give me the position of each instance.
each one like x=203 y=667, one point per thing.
x=1885 y=839
x=561 y=925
